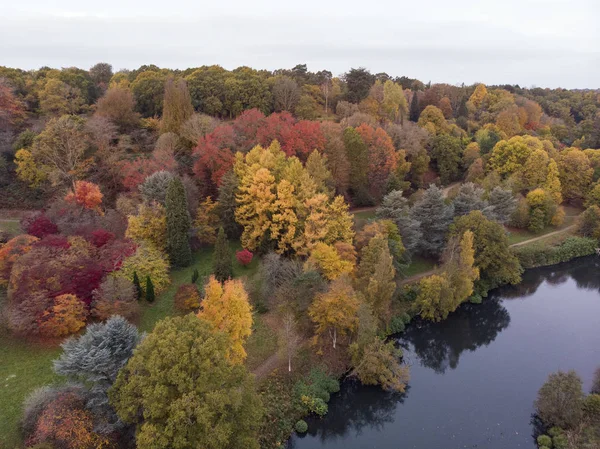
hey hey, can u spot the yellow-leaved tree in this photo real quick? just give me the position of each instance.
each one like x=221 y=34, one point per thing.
x=149 y=225
x=207 y=222
x=329 y=262
x=227 y=308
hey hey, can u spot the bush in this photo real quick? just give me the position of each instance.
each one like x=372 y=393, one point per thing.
x=539 y=255
x=544 y=441
x=41 y=226
x=115 y=296
x=187 y=298
x=301 y=426
x=146 y=261
x=591 y=406
x=396 y=325
x=555 y=431
x=244 y=257
x=314 y=393
x=560 y=442
x=101 y=237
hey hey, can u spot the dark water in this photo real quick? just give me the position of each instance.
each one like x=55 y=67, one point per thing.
x=474 y=377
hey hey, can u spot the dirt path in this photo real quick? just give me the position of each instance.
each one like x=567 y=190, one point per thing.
x=267 y=367
x=535 y=239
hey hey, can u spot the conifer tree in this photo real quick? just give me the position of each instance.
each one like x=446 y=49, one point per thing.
x=195 y=276
x=137 y=285
x=395 y=207
x=150 y=297
x=414 y=108
x=178 y=224
x=358 y=157
x=435 y=218
x=222 y=264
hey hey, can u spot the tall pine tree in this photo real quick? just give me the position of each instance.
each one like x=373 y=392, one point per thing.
x=222 y=264
x=150 y=296
x=414 y=107
x=178 y=224
x=137 y=285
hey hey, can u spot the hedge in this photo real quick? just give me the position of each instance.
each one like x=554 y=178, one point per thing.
x=540 y=255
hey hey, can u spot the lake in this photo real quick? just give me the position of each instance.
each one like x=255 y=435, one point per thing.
x=474 y=377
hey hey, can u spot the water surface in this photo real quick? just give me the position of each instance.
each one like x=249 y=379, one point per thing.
x=474 y=377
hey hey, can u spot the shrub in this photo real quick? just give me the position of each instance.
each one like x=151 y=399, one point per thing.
x=314 y=392
x=115 y=296
x=560 y=442
x=539 y=255
x=66 y=316
x=301 y=426
x=101 y=237
x=187 y=298
x=244 y=257
x=146 y=261
x=41 y=226
x=10 y=252
x=195 y=276
x=544 y=441
x=396 y=325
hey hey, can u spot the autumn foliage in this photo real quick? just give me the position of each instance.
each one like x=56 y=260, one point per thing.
x=244 y=257
x=85 y=194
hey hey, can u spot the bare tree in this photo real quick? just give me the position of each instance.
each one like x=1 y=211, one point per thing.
x=290 y=336
x=286 y=94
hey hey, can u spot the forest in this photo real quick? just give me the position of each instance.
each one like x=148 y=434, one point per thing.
x=196 y=257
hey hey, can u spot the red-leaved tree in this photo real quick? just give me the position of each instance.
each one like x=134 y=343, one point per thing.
x=244 y=257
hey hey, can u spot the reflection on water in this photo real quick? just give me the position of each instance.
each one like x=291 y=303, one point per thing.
x=474 y=376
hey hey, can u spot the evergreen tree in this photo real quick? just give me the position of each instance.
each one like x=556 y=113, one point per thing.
x=395 y=207
x=414 y=107
x=227 y=204
x=195 y=276
x=469 y=198
x=95 y=359
x=462 y=108
x=447 y=153
x=178 y=224
x=435 y=217
x=222 y=264
x=150 y=296
x=177 y=105
x=503 y=204
x=137 y=285
x=358 y=157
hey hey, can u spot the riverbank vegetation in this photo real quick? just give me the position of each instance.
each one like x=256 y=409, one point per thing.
x=213 y=210
x=569 y=419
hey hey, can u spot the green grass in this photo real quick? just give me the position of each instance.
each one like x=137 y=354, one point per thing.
x=12 y=227
x=364 y=214
x=419 y=265
x=261 y=344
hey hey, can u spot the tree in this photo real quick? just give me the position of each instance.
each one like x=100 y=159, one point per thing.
x=101 y=73
x=432 y=119
x=560 y=400
x=115 y=296
x=222 y=264
x=395 y=207
x=187 y=298
x=328 y=261
x=357 y=153
x=471 y=154
x=150 y=295
x=469 y=197
x=227 y=204
x=40 y=226
x=375 y=277
x=589 y=222
x=10 y=252
x=535 y=170
x=447 y=153
x=95 y=359
x=61 y=148
x=382 y=159
x=117 y=105
x=435 y=218
x=137 y=286
x=147 y=261
x=503 y=204
x=316 y=166
x=575 y=173
x=285 y=94
x=66 y=316
x=148 y=89
x=358 y=82
x=446 y=108
x=415 y=109
x=85 y=194
x=149 y=225
x=207 y=222
x=154 y=187
x=244 y=257
x=177 y=105
x=496 y=263
x=182 y=391
x=58 y=98
x=337 y=160
x=178 y=224
x=227 y=308
x=335 y=312
x=510 y=156
x=394 y=102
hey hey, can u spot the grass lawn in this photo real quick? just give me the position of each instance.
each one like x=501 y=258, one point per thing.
x=26 y=365
x=420 y=265
x=12 y=227
x=364 y=214
x=520 y=235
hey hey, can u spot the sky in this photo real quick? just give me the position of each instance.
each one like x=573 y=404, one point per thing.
x=545 y=43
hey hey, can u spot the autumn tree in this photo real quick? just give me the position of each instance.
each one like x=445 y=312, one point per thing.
x=117 y=105
x=187 y=298
x=227 y=308
x=447 y=154
x=115 y=296
x=177 y=105
x=65 y=316
x=178 y=224
x=575 y=173
x=435 y=218
x=207 y=222
x=432 y=119
x=149 y=225
x=290 y=337
x=58 y=98
x=358 y=158
x=86 y=195
x=560 y=400
x=158 y=390
x=329 y=262
x=382 y=159
x=334 y=312
x=503 y=204
x=510 y=156
x=285 y=94
x=147 y=261
x=10 y=252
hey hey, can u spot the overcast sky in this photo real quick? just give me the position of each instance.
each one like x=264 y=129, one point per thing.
x=547 y=43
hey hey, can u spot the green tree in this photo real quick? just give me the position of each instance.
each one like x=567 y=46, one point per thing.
x=177 y=105
x=182 y=392
x=150 y=296
x=137 y=285
x=560 y=400
x=395 y=207
x=447 y=153
x=178 y=224
x=435 y=217
x=222 y=263
x=414 y=107
x=357 y=152
x=227 y=204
